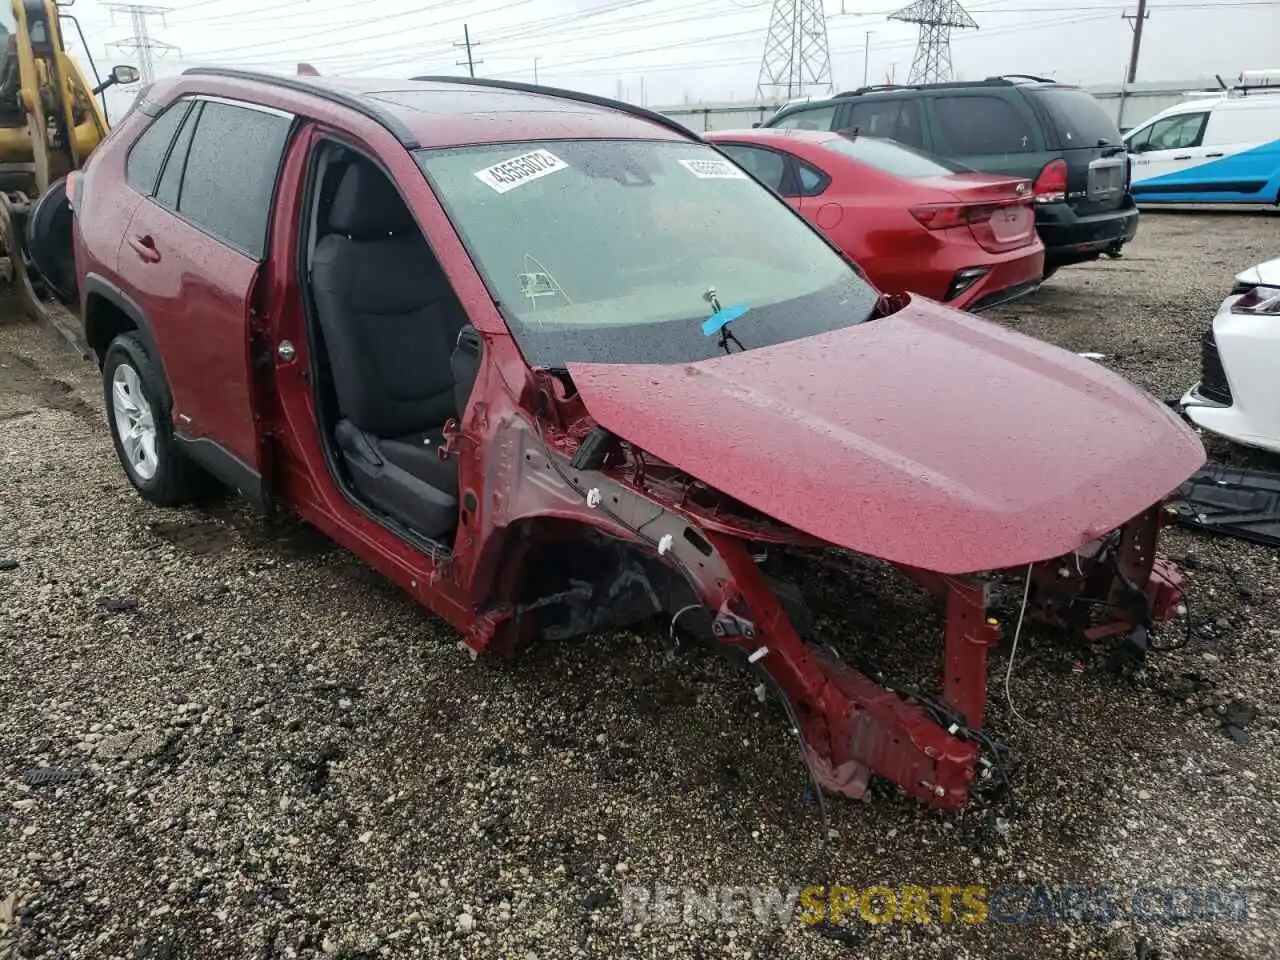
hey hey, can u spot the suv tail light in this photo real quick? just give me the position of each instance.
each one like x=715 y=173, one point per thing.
x=1051 y=184
x=73 y=190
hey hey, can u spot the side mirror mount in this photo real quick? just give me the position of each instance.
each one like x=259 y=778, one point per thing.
x=121 y=75
x=756 y=124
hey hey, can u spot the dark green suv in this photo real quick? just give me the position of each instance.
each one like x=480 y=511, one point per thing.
x=1057 y=136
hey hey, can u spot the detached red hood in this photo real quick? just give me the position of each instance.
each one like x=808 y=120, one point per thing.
x=929 y=438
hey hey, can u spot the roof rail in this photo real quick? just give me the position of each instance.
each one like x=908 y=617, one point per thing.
x=316 y=87
x=872 y=88
x=1022 y=76
x=640 y=112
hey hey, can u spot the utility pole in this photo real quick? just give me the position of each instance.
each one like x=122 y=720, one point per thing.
x=466 y=42
x=535 y=71
x=1136 y=26
x=866 y=58
x=142 y=43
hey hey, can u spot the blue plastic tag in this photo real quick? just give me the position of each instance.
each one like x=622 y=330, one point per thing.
x=714 y=323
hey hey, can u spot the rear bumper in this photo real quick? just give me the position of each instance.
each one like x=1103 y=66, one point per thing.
x=1070 y=238
x=1017 y=275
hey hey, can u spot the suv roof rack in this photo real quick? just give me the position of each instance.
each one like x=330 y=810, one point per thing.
x=1004 y=80
x=1022 y=76
x=317 y=87
x=628 y=108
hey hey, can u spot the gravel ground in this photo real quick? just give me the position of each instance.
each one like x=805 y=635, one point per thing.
x=221 y=738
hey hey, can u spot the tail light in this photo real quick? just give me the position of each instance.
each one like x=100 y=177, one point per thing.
x=943 y=216
x=73 y=190
x=1260 y=301
x=1051 y=184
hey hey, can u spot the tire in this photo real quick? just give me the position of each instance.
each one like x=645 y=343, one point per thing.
x=141 y=428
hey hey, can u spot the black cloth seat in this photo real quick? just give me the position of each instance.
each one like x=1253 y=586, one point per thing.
x=390 y=322
x=419 y=454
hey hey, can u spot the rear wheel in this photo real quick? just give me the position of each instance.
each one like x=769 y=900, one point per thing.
x=140 y=426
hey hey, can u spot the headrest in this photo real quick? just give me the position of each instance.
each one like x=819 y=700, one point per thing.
x=366 y=205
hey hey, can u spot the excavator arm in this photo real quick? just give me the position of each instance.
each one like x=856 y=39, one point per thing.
x=50 y=122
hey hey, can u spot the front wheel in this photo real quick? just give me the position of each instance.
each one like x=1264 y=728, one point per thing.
x=140 y=426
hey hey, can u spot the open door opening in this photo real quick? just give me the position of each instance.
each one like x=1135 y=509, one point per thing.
x=394 y=361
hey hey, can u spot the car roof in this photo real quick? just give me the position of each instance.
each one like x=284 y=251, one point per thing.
x=774 y=134
x=457 y=111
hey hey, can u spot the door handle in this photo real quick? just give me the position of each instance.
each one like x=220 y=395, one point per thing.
x=145 y=248
x=1213 y=154
x=1183 y=156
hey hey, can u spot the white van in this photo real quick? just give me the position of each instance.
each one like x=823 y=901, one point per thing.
x=1220 y=150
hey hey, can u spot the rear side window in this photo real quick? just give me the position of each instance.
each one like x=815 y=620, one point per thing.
x=818 y=118
x=982 y=126
x=1077 y=117
x=893 y=158
x=147 y=154
x=230 y=174
x=897 y=119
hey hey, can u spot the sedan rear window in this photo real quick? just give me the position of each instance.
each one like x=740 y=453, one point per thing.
x=616 y=251
x=1078 y=117
x=893 y=158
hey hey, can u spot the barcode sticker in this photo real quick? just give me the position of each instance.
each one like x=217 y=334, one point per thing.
x=510 y=174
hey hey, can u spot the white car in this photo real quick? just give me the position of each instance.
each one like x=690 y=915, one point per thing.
x=1220 y=149
x=1238 y=396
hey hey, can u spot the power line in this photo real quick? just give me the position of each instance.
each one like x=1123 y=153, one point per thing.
x=797 y=54
x=935 y=19
x=142 y=43
x=1137 y=22
x=470 y=62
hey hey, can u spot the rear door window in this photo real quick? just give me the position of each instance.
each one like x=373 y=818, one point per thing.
x=171 y=178
x=230 y=176
x=815 y=118
x=978 y=125
x=146 y=157
x=899 y=119
x=767 y=166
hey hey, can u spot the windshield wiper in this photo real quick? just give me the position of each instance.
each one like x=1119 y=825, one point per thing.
x=719 y=321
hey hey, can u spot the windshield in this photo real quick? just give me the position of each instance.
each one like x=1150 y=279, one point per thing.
x=1079 y=118
x=894 y=158
x=617 y=251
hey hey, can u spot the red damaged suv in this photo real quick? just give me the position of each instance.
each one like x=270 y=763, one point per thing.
x=553 y=364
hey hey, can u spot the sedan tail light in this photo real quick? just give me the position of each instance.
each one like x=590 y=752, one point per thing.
x=944 y=216
x=1260 y=301
x=1051 y=184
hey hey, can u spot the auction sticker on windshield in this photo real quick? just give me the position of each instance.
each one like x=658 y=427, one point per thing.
x=509 y=174
x=714 y=169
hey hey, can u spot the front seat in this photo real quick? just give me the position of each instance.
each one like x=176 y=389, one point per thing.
x=390 y=322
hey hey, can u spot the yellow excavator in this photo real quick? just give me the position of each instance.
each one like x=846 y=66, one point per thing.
x=51 y=120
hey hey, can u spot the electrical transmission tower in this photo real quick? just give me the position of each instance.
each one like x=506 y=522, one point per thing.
x=797 y=58
x=142 y=43
x=937 y=18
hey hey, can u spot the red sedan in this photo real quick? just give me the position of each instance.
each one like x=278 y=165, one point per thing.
x=912 y=221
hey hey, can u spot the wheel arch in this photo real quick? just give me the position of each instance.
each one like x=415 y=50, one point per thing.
x=108 y=312
x=541 y=556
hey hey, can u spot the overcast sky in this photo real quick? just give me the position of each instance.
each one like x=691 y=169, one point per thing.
x=670 y=51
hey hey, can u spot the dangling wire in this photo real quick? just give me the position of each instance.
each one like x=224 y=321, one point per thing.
x=1017 y=632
